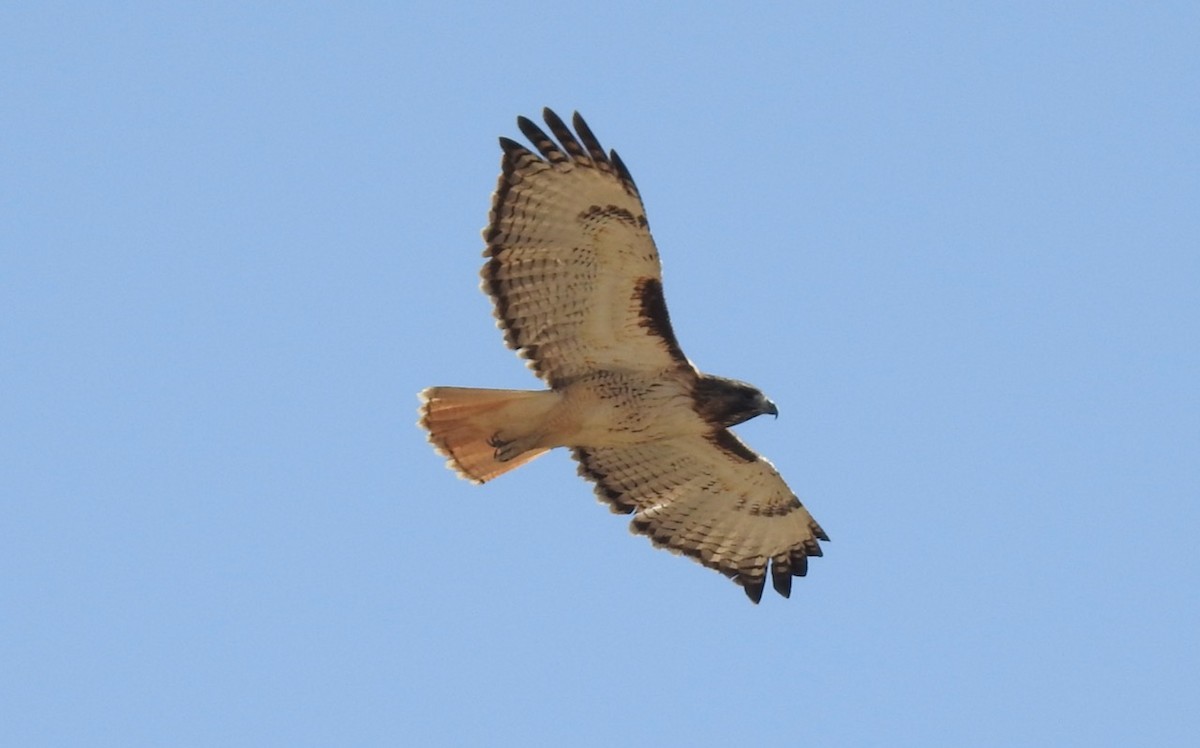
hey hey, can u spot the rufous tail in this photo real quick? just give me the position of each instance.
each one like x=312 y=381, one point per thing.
x=465 y=424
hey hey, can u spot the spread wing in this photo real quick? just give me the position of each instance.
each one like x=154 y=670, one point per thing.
x=573 y=272
x=713 y=499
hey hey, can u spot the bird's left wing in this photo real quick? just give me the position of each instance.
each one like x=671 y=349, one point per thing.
x=713 y=499
x=572 y=269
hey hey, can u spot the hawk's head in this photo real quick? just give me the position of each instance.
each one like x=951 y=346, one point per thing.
x=728 y=402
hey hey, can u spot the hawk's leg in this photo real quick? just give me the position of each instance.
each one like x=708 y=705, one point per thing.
x=507 y=449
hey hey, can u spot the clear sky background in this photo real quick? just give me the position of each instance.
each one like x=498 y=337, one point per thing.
x=957 y=243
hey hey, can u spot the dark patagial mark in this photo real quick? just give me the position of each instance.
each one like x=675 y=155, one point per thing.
x=725 y=441
x=649 y=293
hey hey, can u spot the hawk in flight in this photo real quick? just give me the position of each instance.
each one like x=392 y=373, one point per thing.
x=577 y=286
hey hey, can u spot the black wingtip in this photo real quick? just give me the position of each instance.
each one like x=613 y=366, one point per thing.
x=623 y=172
x=508 y=145
x=590 y=141
x=530 y=130
x=781 y=579
x=552 y=119
x=753 y=589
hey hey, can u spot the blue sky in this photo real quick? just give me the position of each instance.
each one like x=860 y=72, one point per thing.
x=956 y=243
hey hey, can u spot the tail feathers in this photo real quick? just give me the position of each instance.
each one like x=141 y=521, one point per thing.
x=463 y=423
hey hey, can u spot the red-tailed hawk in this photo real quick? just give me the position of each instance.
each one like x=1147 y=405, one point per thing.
x=577 y=287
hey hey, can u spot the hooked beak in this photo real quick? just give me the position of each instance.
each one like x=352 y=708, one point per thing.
x=769 y=407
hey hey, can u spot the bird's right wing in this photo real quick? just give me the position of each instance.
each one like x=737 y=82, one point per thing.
x=713 y=499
